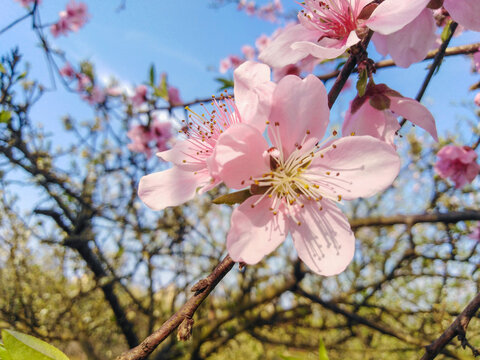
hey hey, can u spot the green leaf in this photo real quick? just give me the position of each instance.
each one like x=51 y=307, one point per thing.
x=152 y=75
x=4 y=355
x=25 y=347
x=322 y=351
x=362 y=83
x=5 y=116
x=162 y=90
x=226 y=83
x=233 y=198
x=2 y=69
x=447 y=30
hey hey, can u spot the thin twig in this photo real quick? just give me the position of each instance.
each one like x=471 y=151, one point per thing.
x=202 y=290
x=457 y=328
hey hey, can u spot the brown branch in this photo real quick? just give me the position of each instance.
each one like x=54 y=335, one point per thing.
x=202 y=289
x=347 y=69
x=457 y=328
x=447 y=218
x=451 y=51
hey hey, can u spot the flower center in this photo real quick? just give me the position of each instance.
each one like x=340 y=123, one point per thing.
x=336 y=19
x=202 y=130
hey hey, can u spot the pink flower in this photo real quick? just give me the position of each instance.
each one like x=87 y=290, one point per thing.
x=62 y=27
x=457 y=163
x=71 y=19
x=248 y=51
x=28 y=2
x=465 y=12
x=174 y=96
x=143 y=137
x=250 y=8
x=262 y=42
x=305 y=65
x=475 y=235
x=476 y=100
x=328 y=28
x=233 y=61
x=140 y=96
x=95 y=96
x=190 y=172
x=376 y=112
x=295 y=182
x=84 y=82
x=412 y=43
x=114 y=91
x=68 y=71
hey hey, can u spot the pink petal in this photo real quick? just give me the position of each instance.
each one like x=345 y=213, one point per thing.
x=183 y=154
x=380 y=124
x=253 y=93
x=412 y=43
x=255 y=231
x=414 y=112
x=238 y=156
x=170 y=187
x=322 y=51
x=392 y=15
x=324 y=240
x=364 y=165
x=381 y=43
x=278 y=53
x=298 y=106
x=465 y=12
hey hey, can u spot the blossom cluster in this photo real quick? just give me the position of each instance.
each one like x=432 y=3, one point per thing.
x=268 y=141
x=72 y=18
x=267 y=12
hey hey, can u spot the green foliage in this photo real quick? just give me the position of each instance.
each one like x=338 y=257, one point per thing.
x=362 y=82
x=322 y=350
x=446 y=32
x=2 y=69
x=225 y=83
x=5 y=116
x=20 y=346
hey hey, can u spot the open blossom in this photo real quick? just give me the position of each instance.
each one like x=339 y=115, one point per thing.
x=174 y=96
x=476 y=99
x=295 y=182
x=458 y=163
x=189 y=174
x=140 y=96
x=231 y=62
x=72 y=18
x=376 y=112
x=143 y=137
x=412 y=43
x=328 y=28
x=95 y=96
x=68 y=71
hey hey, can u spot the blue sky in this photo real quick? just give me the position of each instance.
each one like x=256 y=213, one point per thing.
x=187 y=39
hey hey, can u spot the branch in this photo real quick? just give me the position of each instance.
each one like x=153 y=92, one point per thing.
x=457 y=328
x=202 y=289
x=347 y=69
x=447 y=218
x=451 y=51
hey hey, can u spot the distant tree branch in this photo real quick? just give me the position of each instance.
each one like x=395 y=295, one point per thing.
x=457 y=328
x=410 y=220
